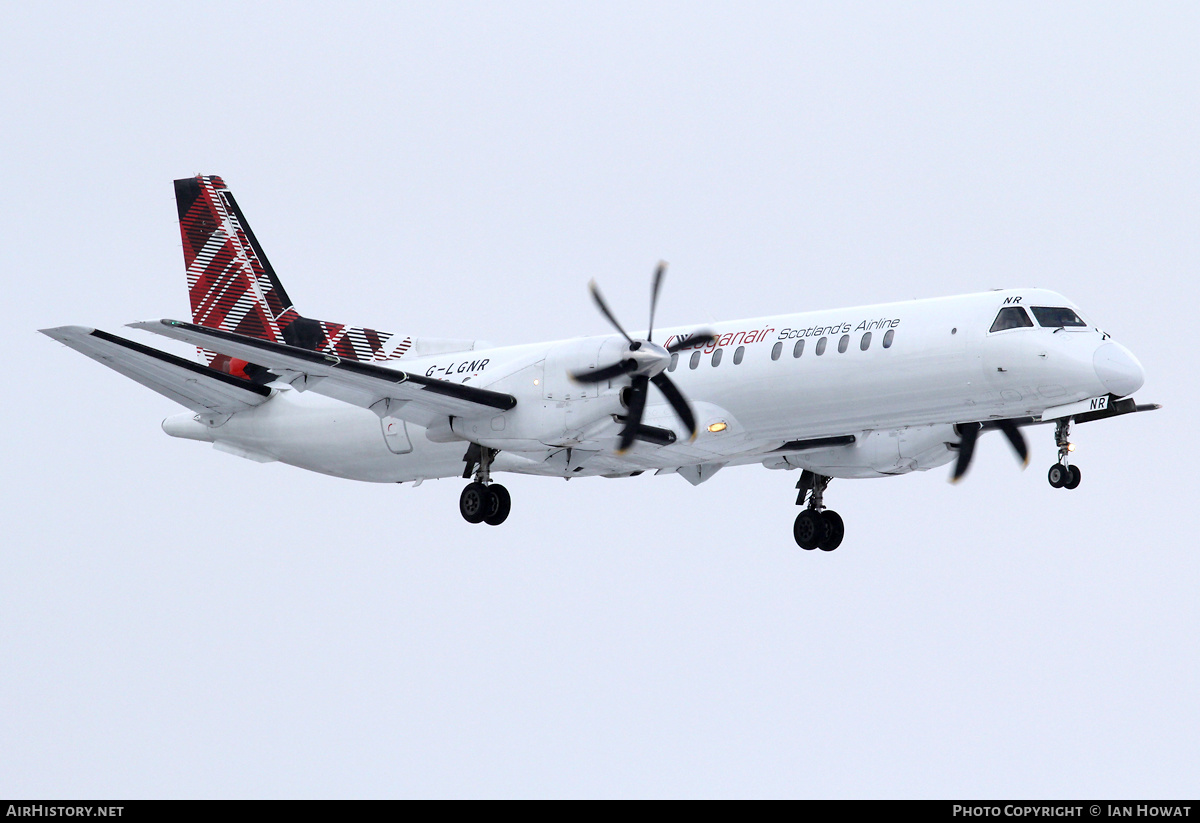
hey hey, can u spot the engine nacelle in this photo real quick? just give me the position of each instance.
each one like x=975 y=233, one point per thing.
x=552 y=409
x=880 y=453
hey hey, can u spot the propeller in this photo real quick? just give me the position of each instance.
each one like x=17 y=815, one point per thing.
x=970 y=431
x=645 y=362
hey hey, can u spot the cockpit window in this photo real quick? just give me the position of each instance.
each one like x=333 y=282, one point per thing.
x=1011 y=317
x=1056 y=318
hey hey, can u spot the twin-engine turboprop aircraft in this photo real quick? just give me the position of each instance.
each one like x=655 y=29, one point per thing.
x=871 y=391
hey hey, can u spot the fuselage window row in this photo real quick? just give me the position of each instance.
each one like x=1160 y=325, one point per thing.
x=739 y=353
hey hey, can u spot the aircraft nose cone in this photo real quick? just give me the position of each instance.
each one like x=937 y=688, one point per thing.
x=1118 y=369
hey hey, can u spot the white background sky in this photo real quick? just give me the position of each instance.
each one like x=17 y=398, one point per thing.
x=178 y=622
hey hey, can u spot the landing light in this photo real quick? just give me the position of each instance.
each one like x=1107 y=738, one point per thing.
x=537 y=382
x=719 y=426
x=1070 y=447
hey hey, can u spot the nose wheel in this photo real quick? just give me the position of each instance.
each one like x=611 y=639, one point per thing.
x=816 y=527
x=1062 y=475
x=483 y=501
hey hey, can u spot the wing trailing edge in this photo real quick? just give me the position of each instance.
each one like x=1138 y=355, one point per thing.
x=202 y=389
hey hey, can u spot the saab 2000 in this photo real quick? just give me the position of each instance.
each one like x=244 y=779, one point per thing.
x=872 y=391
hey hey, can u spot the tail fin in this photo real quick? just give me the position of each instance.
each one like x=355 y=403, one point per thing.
x=230 y=281
x=233 y=287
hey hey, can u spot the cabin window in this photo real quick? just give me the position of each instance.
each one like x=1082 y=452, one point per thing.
x=865 y=343
x=887 y=338
x=738 y=354
x=821 y=345
x=798 y=349
x=776 y=350
x=1056 y=318
x=843 y=344
x=716 y=359
x=1011 y=317
x=695 y=361
x=674 y=362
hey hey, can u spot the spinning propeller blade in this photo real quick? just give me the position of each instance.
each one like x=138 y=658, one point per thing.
x=596 y=296
x=696 y=339
x=647 y=361
x=606 y=373
x=970 y=432
x=654 y=288
x=678 y=402
x=637 y=407
x=966 y=448
x=1013 y=433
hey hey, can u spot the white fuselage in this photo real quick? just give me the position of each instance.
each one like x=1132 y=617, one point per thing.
x=926 y=366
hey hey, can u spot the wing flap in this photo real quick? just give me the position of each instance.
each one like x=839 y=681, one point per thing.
x=198 y=387
x=362 y=384
x=817 y=443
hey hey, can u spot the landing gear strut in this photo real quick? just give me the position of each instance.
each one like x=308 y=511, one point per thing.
x=483 y=501
x=816 y=527
x=1062 y=475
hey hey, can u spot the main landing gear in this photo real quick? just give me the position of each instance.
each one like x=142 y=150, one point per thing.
x=1061 y=474
x=816 y=527
x=483 y=501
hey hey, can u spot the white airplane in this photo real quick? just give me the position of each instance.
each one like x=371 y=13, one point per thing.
x=871 y=391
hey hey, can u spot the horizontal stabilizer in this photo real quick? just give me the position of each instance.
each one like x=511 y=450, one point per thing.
x=362 y=384
x=202 y=389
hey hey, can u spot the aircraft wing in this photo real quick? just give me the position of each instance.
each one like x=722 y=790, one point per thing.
x=201 y=388
x=419 y=399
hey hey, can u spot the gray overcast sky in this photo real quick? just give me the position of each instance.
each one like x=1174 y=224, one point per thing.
x=179 y=622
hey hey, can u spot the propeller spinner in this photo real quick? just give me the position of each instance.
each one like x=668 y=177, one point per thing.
x=645 y=362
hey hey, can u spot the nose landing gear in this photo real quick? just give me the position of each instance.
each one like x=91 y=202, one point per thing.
x=816 y=527
x=483 y=501
x=1063 y=475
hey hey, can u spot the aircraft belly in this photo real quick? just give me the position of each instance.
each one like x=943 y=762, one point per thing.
x=334 y=438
